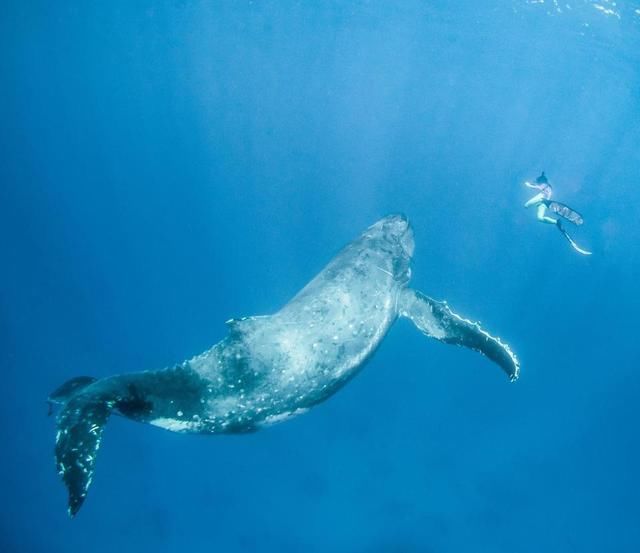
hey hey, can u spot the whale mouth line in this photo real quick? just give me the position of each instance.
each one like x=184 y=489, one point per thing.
x=407 y=242
x=402 y=233
x=396 y=230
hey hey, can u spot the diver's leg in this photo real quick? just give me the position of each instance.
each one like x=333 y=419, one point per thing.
x=436 y=320
x=540 y=215
x=535 y=200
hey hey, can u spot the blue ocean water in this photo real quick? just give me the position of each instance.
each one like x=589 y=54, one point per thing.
x=165 y=166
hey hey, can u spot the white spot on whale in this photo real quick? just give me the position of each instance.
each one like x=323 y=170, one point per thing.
x=174 y=425
x=274 y=419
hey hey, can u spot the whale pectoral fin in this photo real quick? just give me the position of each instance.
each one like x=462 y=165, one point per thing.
x=437 y=320
x=80 y=425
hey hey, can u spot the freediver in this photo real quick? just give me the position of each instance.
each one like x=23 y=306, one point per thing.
x=542 y=202
x=544 y=194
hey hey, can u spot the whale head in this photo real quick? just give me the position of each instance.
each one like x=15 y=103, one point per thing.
x=391 y=239
x=396 y=231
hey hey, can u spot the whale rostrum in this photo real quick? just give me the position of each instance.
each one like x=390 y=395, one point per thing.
x=271 y=368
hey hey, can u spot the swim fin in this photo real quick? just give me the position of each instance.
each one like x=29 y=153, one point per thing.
x=572 y=242
x=564 y=211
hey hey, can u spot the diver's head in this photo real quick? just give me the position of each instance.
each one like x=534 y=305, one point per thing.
x=542 y=179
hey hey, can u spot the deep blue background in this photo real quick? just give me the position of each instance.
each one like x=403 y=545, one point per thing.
x=165 y=166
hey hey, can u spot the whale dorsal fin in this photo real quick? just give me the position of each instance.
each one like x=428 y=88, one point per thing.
x=245 y=324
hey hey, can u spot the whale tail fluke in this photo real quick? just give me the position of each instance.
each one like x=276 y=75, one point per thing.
x=64 y=392
x=80 y=424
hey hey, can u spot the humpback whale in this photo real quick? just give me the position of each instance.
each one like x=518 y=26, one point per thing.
x=270 y=368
